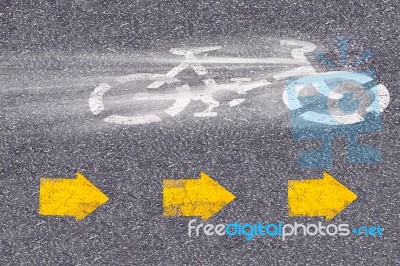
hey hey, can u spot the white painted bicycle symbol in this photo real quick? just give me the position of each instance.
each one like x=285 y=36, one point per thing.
x=183 y=95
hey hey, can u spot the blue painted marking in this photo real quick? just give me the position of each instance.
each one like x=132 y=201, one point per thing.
x=364 y=57
x=325 y=60
x=343 y=51
x=311 y=120
x=347 y=104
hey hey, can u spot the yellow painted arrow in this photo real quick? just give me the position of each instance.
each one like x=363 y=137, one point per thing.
x=325 y=197
x=76 y=197
x=202 y=197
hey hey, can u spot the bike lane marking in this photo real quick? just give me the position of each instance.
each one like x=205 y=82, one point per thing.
x=183 y=94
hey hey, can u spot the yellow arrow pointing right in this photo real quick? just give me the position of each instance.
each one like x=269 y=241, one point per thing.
x=202 y=197
x=325 y=197
x=76 y=197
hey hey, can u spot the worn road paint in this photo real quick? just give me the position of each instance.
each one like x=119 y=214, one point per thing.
x=183 y=95
x=202 y=197
x=96 y=98
x=248 y=60
x=324 y=197
x=298 y=54
x=146 y=76
x=378 y=104
x=383 y=98
x=189 y=57
x=76 y=197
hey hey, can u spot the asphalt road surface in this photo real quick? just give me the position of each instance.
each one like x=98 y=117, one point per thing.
x=52 y=58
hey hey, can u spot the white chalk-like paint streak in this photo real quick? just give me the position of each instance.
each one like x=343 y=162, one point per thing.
x=298 y=54
x=134 y=120
x=382 y=98
x=178 y=107
x=181 y=98
x=188 y=62
x=294 y=100
x=241 y=60
x=183 y=95
x=236 y=102
x=299 y=71
x=146 y=76
x=96 y=98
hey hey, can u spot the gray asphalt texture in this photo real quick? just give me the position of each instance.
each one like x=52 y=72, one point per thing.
x=52 y=56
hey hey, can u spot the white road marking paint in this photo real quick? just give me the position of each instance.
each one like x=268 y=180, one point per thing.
x=236 y=102
x=295 y=103
x=96 y=98
x=298 y=54
x=383 y=98
x=188 y=62
x=300 y=71
x=146 y=76
x=183 y=95
x=134 y=120
x=241 y=60
x=178 y=107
